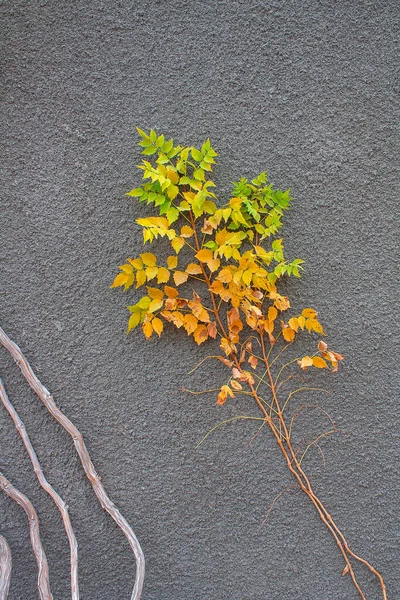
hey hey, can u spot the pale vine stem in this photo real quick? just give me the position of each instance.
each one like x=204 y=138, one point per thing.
x=59 y=502
x=26 y=504
x=87 y=464
x=5 y=568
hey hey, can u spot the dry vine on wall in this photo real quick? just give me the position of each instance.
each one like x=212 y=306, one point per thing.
x=221 y=284
x=26 y=504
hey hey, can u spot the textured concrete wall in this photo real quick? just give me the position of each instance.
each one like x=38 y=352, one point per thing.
x=304 y=89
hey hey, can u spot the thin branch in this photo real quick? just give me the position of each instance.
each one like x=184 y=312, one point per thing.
x=26 y=504
x=59 y=502
x=224 y=423
x=87 y=464
x=5 y=568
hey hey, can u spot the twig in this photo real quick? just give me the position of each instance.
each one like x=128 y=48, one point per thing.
x=5 y=568
x=26 y=504
x=59 y=502
x=87 y=464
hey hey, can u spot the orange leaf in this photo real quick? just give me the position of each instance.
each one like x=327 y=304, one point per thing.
x=171 y=292
x=319 y=362
x=212 y=330
x=305 y=362
x=213 y=264
x=186 y=231
x=147 y=329
x=158 y=325
x=225 y=276
x=309 y=313
x=180 y=277
x=155 y=293
x=200 y=334
x=301 y=321
x=253 y=361
x=191 y=323
x=221 y=398
x=272 y=313
x=294 y=324
x=288 y=334
x=322 y=346
x=204 y=255
x=193 y=269
x=226 y=362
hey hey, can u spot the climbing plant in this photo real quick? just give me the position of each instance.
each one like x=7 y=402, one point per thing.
x=221 y=282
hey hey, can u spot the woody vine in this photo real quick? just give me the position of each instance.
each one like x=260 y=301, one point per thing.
x=221 y=283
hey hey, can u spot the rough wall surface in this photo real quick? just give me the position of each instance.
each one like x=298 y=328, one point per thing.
x=304 y=89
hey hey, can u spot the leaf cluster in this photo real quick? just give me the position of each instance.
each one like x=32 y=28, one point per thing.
x=226 y=256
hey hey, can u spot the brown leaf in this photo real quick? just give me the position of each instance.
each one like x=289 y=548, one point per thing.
x=236 y=385
x=226 y=362
x=322 y=346
x=253 y=361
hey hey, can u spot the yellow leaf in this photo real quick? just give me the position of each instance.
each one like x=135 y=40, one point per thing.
x=177 y=244
x=134 y=321
x=186 y=231
x=213 y=264
x=172 y=175
x=309 y=313
x=247 y=277
x=272 y=313
x=204 y=255
x=221 y=398
x=301 y=321
x=151 y=272
x=200 y=334
x=172 y=262
x=155 y=293
x=180 y=277
x=294 y=324
x=119 y=280
x=170 y=292
x=288 y=334
x=319 y=362
x=163 y=275
x=305 y=362
x=191 y=323
x=128 y=269
x=147 y=329
x=193 y=269
x=155 y=305
x=225 y=276
x=148 y=259
x=137 y=263
x=317 y=327
x=158 y=326
x=140 y=278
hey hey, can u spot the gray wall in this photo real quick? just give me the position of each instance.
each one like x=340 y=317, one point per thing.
x=304 y=89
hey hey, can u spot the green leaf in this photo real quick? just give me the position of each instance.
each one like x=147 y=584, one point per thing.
x=135 y=192
x=196 y=154
x=153 y=136
x=172 y=215
x=150 y=150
